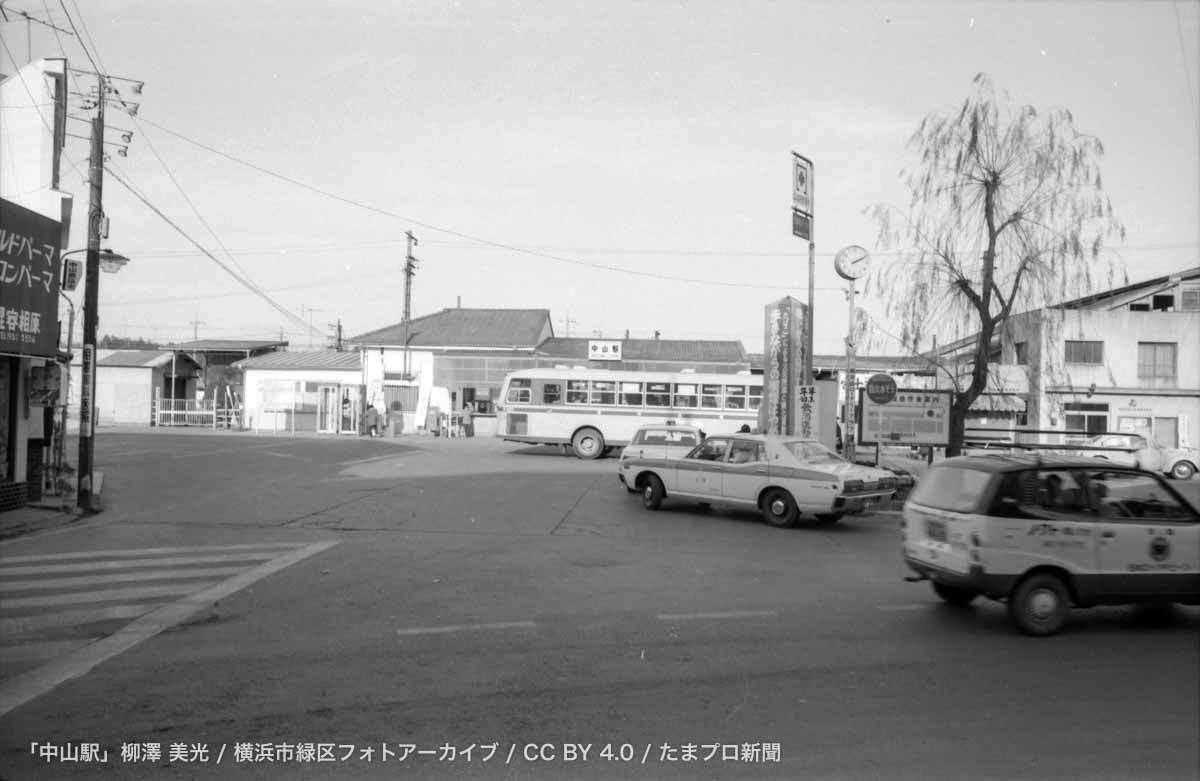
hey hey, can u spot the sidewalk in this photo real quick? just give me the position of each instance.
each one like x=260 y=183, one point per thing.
x=47 y=514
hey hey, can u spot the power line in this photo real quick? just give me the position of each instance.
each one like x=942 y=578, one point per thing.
x=257 y=291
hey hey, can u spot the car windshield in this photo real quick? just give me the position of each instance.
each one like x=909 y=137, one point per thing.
x=813 y=452
x=952 y=488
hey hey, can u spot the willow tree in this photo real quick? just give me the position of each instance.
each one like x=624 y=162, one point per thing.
x=1007 y=213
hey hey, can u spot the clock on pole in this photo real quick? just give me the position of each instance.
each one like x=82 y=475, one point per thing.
x=852 y=262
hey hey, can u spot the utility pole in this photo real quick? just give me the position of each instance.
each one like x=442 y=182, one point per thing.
x=567 y=321
x=91 y=299
x=310 y=310
x=196 y=323
x=337 y=334
x=410 y=270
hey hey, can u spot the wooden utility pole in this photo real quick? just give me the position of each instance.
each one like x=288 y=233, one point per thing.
x=91 y=299
x=410 y=270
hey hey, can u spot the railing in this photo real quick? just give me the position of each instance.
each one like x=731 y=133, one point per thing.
x=189 y=412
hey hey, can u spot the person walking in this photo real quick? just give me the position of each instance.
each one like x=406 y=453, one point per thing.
x=468 y=420
x=372 y=421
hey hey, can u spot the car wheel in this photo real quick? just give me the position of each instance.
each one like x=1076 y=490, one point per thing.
x=588 y=443
x=779 y=509
x=652 y=492
x=1039 y=604
x=1182 y=470
x=830 y=517
x=951 y=595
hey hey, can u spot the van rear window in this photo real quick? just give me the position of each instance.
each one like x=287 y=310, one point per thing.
x=952 y=488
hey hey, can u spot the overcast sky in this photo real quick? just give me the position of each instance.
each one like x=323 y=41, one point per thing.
x=615 y=137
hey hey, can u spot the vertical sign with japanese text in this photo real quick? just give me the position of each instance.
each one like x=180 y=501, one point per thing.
x=806 y=400
x=802 y=196
x=30 y=254
x=87 y=375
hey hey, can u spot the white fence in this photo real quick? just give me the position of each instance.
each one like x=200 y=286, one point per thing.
x=189 y=412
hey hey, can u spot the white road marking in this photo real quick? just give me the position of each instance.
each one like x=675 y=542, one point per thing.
x=23 y=688
x=120 y=577
x=284 y=455
x=372 y=459
x=103 y=595
x=729 y=614
x=908 y=606
x=21 y=625
x=94 y=554
x=30 y=652
x=437 y=630
x=175 y=561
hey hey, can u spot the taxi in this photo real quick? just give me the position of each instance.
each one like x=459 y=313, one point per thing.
x=1045 y=534
x=659 y=440
x=782 y=477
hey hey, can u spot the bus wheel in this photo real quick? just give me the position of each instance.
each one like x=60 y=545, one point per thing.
x=588 y=443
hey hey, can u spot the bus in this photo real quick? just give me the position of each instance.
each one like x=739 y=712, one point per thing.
x=597 y=410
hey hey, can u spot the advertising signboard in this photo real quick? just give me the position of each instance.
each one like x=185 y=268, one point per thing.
x=87 y=379
x=912 y=417
x=783 y=359
x=29 y=278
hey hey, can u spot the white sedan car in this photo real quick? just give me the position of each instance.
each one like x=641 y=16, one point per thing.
x=782 y=477
x=659 y=440
x=1136 y=450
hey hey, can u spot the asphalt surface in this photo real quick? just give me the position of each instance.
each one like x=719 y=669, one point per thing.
x=489 y=609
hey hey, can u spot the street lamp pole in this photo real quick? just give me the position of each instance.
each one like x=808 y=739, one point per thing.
x=91 y=299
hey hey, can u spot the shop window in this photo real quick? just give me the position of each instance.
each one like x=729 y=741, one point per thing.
x=1021 y=351
x=1085 y=417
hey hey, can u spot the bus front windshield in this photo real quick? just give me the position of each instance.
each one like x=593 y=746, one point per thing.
x=812 y=452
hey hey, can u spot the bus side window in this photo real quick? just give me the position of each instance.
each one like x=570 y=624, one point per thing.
x=520 y=391
x=710 y=396
x=756 y=393
x=735 y=397
x=577 y=391
x=631 y=394
x=552 y=393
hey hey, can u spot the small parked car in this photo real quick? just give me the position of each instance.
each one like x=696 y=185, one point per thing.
x=659 y=440
x=1047 y=533
x=1178 y=462
x=781 y=477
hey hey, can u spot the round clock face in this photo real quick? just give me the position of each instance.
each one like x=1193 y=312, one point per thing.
x=851 y=262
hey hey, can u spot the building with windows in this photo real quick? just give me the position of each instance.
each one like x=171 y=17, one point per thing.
x=1121 y=360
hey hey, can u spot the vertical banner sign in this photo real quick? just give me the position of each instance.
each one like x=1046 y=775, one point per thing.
x=87 y=375
x=802 y=197
x=783 y=342
x=806 y=400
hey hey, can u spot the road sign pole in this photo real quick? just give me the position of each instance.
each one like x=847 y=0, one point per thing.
x=848 y=436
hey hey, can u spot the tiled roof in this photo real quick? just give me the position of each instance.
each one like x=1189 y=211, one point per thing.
x=317 y=360
x=227 y=346
x=688 y=350
x=466 y=328
x=147 y=359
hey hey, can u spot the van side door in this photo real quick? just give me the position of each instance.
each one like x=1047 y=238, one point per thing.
x=1149 y=542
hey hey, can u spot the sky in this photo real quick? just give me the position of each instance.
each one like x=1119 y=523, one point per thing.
x=626 y=165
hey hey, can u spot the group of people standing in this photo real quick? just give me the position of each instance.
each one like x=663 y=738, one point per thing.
x=437 y=422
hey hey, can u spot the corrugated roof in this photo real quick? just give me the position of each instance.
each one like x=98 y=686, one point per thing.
x=684 y=350
x=227 y=345
x=466 y=328
x=1134 y=290
x=147 y=359
x=326 y=360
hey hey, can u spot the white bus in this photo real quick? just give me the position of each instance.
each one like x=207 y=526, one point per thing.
x=595 y=410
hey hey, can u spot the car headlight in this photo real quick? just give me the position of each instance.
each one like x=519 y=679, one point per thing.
x=887 y=483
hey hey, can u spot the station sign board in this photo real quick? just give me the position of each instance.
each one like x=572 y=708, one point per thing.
x=912 y=417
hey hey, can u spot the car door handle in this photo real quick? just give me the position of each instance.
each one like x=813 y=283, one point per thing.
x=1108 y=534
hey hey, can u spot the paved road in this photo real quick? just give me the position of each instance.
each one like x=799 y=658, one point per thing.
x=470 y=598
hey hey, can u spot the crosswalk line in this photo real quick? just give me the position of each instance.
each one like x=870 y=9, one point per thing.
x=17 y=626
x=120 y=577
x=103 y=595
x=34 y=652
x=120 y=552
x=170 y=561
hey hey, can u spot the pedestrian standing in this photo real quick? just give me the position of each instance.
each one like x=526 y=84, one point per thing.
x=468 y=419
x=372 y=421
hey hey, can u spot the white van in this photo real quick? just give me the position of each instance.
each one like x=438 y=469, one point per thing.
x=1045 y=534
